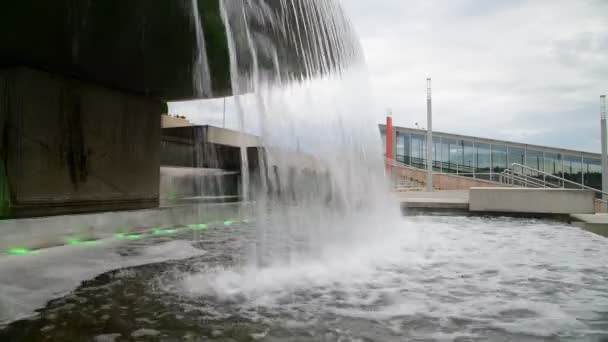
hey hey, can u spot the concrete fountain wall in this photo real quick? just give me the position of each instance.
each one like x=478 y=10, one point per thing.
x=71 y=146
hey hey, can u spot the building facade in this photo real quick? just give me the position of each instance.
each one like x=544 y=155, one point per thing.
x=487 y=158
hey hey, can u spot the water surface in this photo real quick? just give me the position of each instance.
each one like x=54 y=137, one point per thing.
x=429 y=279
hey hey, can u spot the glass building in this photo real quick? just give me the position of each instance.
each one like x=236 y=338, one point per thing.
x=487 y=158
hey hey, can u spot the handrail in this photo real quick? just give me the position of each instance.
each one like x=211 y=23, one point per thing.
x=559 y=178
x=527 y=179
x=460 y=168
x=509 y=174
x=393 y=162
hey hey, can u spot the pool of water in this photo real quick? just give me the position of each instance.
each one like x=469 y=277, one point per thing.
x=428 y=279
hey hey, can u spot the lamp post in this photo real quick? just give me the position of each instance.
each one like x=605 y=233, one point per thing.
x=429 y=137
x=604 y=147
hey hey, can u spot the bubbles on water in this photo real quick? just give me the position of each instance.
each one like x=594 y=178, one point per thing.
x=34 y=281
x=436 y=278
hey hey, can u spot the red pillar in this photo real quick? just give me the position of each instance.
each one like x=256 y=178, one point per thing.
x=389 y=140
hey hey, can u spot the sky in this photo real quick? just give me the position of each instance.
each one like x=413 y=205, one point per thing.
x=529 y=71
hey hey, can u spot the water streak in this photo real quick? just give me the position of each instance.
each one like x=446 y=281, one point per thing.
x=201 y=76
x=300 y=81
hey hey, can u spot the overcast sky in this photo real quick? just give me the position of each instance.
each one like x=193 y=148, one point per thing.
x=524 y=70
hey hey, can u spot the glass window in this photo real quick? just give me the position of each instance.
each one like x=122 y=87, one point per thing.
x=516 y=155
x=456 y=155
x=499 y=158
x=593 y=172
x=445 y=155
x=437 y=154
x=484 y=160
x=553 y=165
x=534 y=160
x=470 y=159
x=407 y=149
x=401 y=146
x=418 y=150
x=573 y=169
x=452 y=154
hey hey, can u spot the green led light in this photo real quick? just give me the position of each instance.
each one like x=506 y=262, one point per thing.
x=18 y=251
x=73 y=241
x=228 y=223
x=164 y=231
x=200 y=226
x=123 y=236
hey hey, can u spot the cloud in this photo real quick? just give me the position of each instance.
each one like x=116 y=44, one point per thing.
x=498 y=67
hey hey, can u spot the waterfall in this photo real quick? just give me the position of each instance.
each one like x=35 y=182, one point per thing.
x=299 y=78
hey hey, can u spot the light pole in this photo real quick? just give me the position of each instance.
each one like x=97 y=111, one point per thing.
x=604 y=147
x=429 y=137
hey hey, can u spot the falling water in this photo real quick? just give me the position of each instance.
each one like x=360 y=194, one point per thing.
x=200 y=75
x=300 y=79
x=198 y=178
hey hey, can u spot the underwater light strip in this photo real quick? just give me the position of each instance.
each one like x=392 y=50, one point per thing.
x=72 y=241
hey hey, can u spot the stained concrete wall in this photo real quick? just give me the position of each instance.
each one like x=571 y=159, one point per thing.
x=194 y=146
x=70 y=146
x=184 y=185
x=537 y=201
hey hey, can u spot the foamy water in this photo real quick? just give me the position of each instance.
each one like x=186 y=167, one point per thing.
x=419 y=279
x=28 y=282
x=439 y=278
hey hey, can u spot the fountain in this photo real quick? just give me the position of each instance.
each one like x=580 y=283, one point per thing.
x=326 y=255
x=321 y=159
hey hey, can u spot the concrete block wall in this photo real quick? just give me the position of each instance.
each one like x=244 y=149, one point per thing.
x=533 y=201
x=69 y=146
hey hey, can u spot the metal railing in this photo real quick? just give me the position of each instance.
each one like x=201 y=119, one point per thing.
x=442 y=166
x=516 y=175
x=484 y=176
x=513 y=178
x=543 y=183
